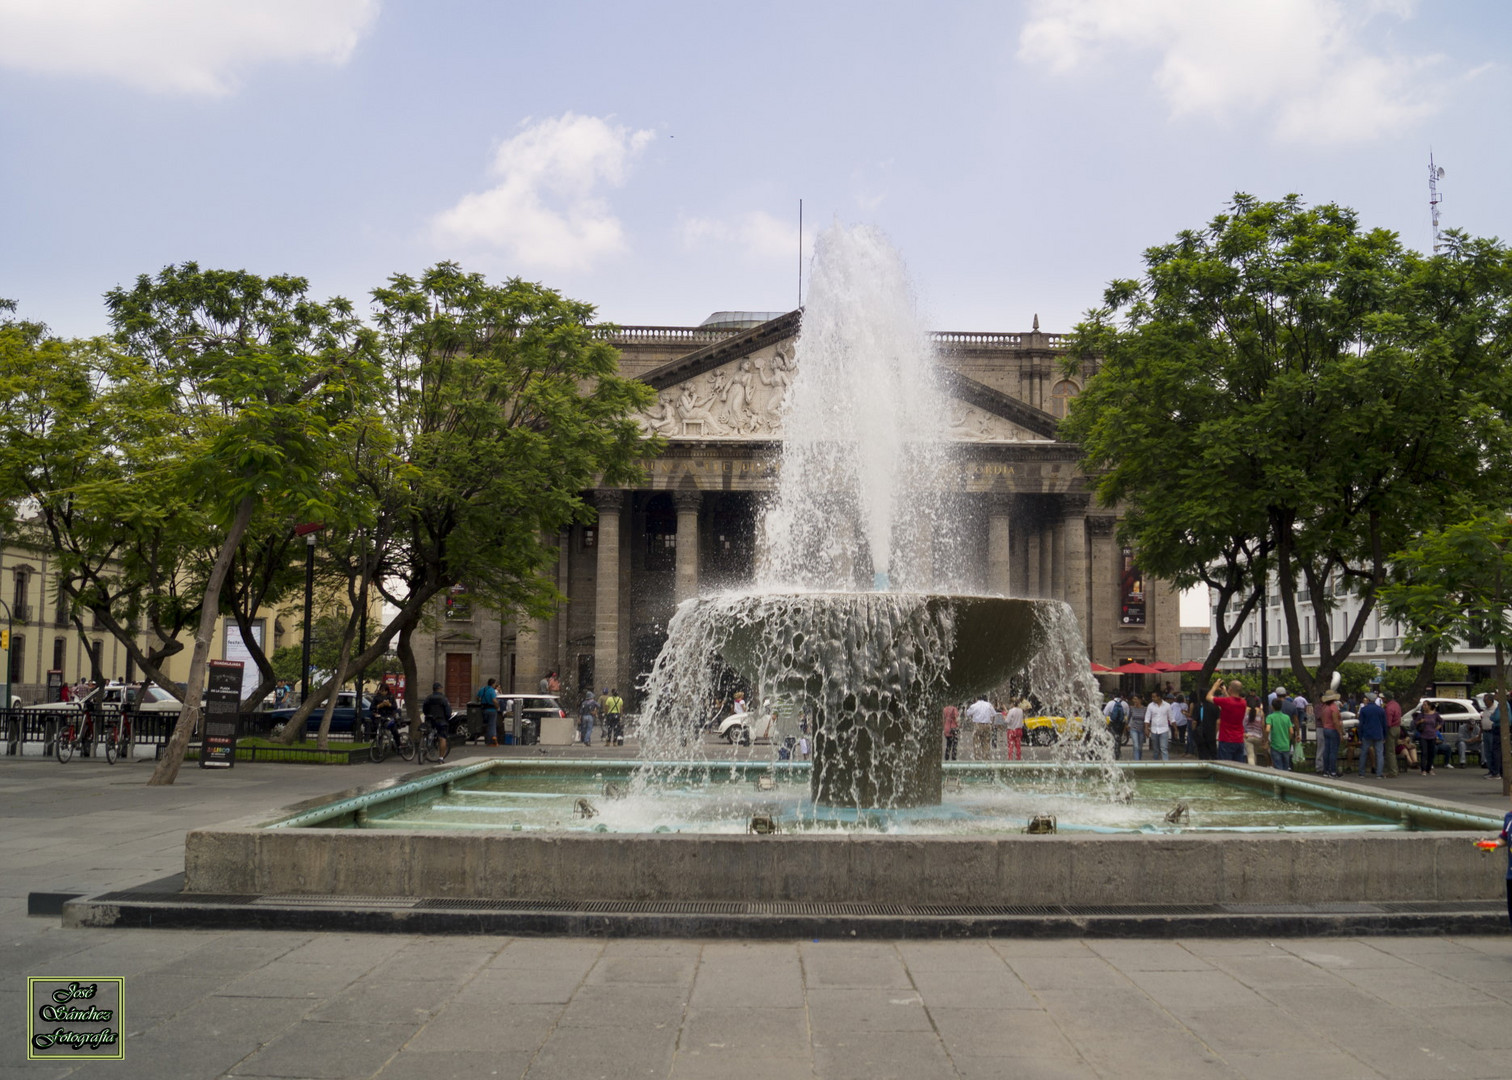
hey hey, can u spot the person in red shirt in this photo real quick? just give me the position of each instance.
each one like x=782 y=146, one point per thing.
x=1393 y=732
x=1231 y=709
x=952 y=732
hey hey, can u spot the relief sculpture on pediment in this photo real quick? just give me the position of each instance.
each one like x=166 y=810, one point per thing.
x=739 y=400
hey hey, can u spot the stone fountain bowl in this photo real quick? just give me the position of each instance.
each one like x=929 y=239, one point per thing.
x=872 y=670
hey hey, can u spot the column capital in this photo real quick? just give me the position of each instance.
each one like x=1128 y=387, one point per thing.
x=609 y=499
x=1074 y=503
x=999 y=502
x=688 y=501
x=1101 y=525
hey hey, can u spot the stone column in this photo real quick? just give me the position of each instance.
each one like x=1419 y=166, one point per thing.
x=999 y=558
x=688 y=504
x=1103 y=607
x=1076 y=563
x=1034 y=561
x=606 y=612
x=1058 y=585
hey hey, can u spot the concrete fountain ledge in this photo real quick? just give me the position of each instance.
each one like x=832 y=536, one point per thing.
x=301 y=855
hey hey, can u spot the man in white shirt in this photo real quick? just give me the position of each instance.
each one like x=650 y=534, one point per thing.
x=1158 y=725
x=982 y=716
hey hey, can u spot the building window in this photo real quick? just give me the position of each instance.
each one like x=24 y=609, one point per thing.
x=661 y=550
x=19 y=607
x=590 y=537
x=60 y=612
x=17 y=659
x=60 y=653
x=458 y=603
x=1060 y=397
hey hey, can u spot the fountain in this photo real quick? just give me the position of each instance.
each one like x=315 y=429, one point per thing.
x=858 y=619
x=862 y=620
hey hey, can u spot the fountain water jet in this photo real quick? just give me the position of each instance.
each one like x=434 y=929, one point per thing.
x=862 y=502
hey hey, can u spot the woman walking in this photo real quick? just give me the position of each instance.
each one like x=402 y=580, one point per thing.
x=1137 y=710
x=1427 y=730
x=1014 y=719
x=1254 y=728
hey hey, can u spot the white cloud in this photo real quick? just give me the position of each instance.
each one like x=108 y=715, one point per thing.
x=1305 y=63
x=756 y=234
x=177 y=46
x=547 y=210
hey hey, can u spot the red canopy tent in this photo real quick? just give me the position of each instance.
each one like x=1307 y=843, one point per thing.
x=1190 y=665
x=1161 y=665
x=1136 y=668
x=1101 y=670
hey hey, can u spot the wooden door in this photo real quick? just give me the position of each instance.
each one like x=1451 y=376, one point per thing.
x=459 y=687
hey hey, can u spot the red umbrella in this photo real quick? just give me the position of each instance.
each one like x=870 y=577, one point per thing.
x=1134 y=667
x=1101 y=670
x=1161 y=665
x=1190 y=665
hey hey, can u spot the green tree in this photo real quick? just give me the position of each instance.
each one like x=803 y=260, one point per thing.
x=1284 y=390
x=262 y=383
x=1456 y=583
x=502 y=406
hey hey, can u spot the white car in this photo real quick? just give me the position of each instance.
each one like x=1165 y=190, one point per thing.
x=748 y=727
x=151 y=699
x=1453 y=712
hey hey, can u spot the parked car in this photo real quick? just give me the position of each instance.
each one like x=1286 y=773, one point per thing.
x=534 y=708
x=1452 y=712
x=148 y=699
x=1044 y=730
x=342 y=721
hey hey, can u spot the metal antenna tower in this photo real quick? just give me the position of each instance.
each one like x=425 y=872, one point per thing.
x=1435 y=174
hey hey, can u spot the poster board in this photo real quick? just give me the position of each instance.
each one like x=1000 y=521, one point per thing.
x=218 y=726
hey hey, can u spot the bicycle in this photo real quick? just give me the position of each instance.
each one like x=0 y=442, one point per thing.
x=430 y=743
x=73 y=736
x=387 y=740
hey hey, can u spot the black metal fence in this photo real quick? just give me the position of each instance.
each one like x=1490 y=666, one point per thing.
x=41 y=727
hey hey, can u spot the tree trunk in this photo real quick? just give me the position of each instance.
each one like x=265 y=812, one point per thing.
x=323 y=740
x=167 y=769
x=411 y=676
x=1424 y=676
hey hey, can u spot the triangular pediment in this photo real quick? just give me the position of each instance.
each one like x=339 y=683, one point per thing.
x=734 y=389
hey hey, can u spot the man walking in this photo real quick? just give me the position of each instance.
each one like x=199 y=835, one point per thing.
x=1393 y=709
x=614 y=709
x=588 y=713
x=1330 y=729
x=1372 y=736
x=437 y=710
x=488 y=697
x=1118 y=717
x=982 y=716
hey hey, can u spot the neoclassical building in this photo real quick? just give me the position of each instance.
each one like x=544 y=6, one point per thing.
x=1026 y=523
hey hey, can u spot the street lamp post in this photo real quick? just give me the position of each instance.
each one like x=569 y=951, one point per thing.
x=308 y=531
x=10 y=633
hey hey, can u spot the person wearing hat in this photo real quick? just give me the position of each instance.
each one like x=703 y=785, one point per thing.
x=588 y=712
x=1427 y=728
x=1330 y=731
x=614 y=708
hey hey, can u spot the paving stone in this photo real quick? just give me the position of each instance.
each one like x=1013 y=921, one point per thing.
x=964 y=956
x=434 y=958
x=1287 y=1064
x=523 y=986
x=317 y=1051
x=490 y=1027
x=856 y=1010
x=644 y=970
x=1131 y=956
x=1185 y=990
x=1002 y=1033
x=626 y=1005
x=853 y=965
x=746 y=1034
x=989 y=987
x=1024 y=1067
x=764 y=975
x=882 y=1056
x=574 y=1054
x=280 y=979
x=1048 y=973
x=558 y=955
x=1339 y=953
x=383 y=999
x=454 y=1065
x=712 y=1067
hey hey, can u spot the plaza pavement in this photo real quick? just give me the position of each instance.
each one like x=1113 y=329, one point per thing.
x=281 y=1004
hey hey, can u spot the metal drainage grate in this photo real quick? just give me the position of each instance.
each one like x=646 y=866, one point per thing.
x=302 y=900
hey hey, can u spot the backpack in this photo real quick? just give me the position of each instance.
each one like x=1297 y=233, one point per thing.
x=1116 y=720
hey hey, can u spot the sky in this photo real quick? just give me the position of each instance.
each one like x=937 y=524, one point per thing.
x=649 y=158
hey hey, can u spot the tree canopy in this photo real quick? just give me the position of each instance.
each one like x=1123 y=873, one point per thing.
x=1284 y=391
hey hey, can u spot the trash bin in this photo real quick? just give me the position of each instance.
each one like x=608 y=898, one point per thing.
x=474 y=719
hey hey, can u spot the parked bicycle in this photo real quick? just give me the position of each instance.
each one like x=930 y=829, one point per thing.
x=388 y=740
x=82 y=734
x=430 y=743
